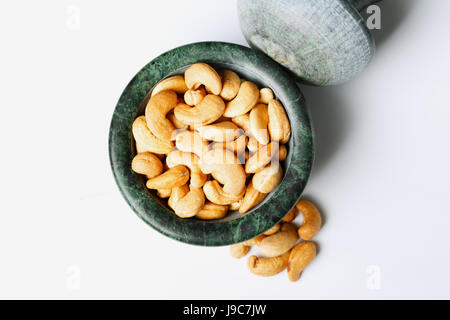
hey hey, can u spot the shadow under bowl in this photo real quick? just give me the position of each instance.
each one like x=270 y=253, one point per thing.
x=251 y=65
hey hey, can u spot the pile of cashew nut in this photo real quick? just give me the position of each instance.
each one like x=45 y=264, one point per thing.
x=211 y=142
x=279 y=244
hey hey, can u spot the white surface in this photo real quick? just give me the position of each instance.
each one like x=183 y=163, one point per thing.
x=381 y=177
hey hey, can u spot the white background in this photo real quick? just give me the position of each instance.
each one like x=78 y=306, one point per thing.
x=381 y=177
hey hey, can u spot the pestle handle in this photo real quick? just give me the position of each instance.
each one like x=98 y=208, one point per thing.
x=361 y=4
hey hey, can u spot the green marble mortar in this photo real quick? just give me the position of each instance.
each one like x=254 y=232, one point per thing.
x=249 y=64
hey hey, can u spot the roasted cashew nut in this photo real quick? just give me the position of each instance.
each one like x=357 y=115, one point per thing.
x=214 y=193
x=272 y=230
x=230 y=84
x=175 y=83
x=255 y=241
x=238 y=250
x=312 y=221
x=164 y=193
x=301 y=255
x=279 y=126
x=265 y=95
x=261 y=158
x=220 y=132
x=245 y=100
x=174 y=177
x=235 y=205
x=268 y=179
x=193 y=97
x=243 y=121
x=253 y=145
x=177 y=123
x=148 y=164
x=202 y=74
x=147 y=140
x=211 y=211
x=282 y=154
x=207 y=111
x=189 y=141
x=251 y=199
x=237 y=146
x=188 y=205
x=267 y=267
x=225 y=168
x=190 y=160
x=259 y=121
x=155 y=114
x=279 y=242
x=291 y=215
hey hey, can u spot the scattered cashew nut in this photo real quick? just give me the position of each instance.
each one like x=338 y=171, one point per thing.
x=301 y=255
x=239 y=250
x=272 y=230
x=267 y=267
x=279 y=242
x=312 y=221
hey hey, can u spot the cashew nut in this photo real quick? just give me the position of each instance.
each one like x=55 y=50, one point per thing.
x=265 y=95
x=237 y=146
x=148 y=164
x=279 y=127
x=194 y=97
x=282 y=153
x=220 y=131
x=268 y=179
x=261 y=158
x=301 y=255
x=279 y=242
x=291 y=215
x=174 y=177
x=245 y=100
x=189 y=141
x=212 y=211
x=235 y=205
x=230 y=84
x=214 y=193
x=267 y=267
x=225 y=168
x=202 y=73
x=259 y=121
x=253 y=145
x=243 y=121
x=190 y=160
x=255 y=241
x=272 y=230
x=164 y=193
x=239 y=250
x=177 y=123
x=175 y=83
x=146 y=140
x=312 y=221
x=251 y=199
x=207 y=111
x=155 y=113
x=186 y=202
